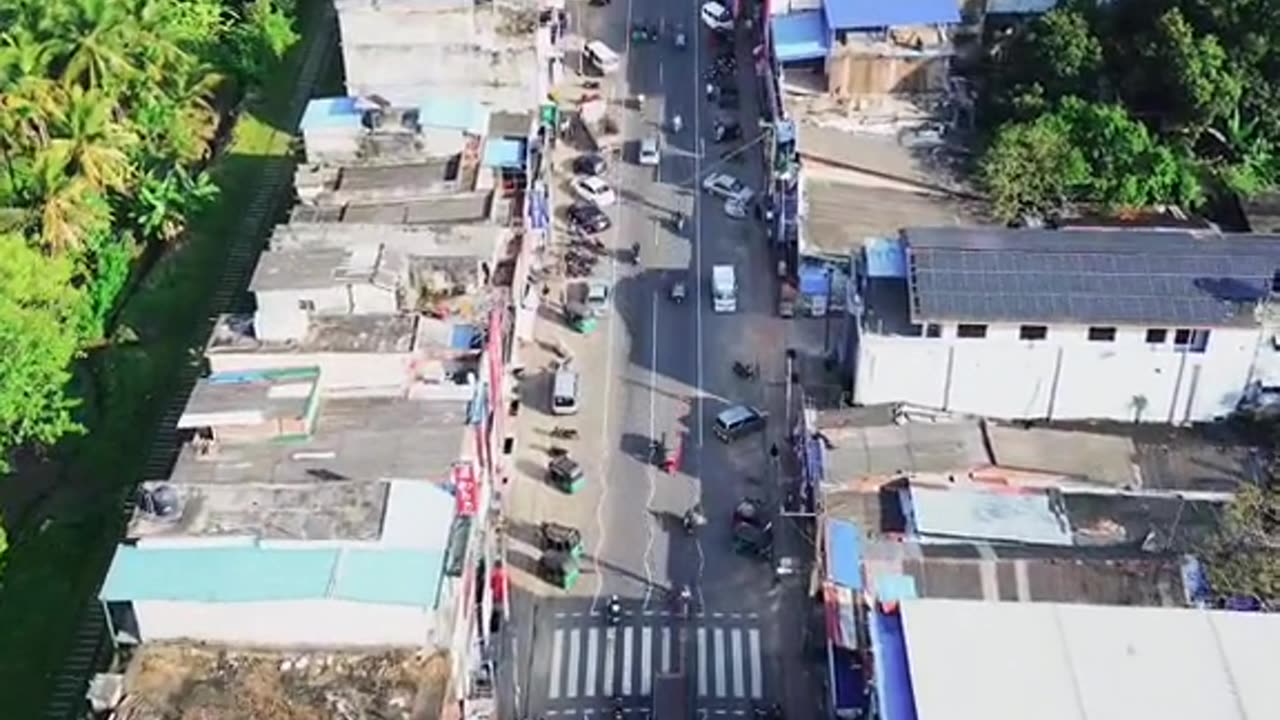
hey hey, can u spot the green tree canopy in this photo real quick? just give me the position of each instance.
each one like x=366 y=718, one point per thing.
x=1243 y=556
x=40 y=315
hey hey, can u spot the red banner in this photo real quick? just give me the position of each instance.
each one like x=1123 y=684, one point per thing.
x=466 y=491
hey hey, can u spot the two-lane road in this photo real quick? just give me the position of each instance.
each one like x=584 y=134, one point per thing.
x=663 y=369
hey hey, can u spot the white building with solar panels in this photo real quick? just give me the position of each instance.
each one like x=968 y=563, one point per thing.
x=1148 y=326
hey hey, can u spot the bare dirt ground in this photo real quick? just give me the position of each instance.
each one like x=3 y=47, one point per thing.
x=190 y=682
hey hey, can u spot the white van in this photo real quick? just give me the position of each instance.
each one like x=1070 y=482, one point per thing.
x=649 y=154
x=724 y=289
x=603 y=57
x=564 y=392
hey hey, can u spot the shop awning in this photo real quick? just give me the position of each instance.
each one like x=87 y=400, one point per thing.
x=842 y=623
x=801 y=36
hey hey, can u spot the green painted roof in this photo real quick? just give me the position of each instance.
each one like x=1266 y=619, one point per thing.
x=251 y=573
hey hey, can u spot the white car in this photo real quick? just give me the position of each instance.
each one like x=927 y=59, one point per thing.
x=594 y=190
x=598 y=296
x=649 y=154
x=716 y=16
x=727 y=187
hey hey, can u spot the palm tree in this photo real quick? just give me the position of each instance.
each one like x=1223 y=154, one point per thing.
x=62 y=208
x=95 y=42
x=86 y=132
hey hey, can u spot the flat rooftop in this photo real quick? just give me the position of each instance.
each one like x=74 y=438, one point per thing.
x=963 y=572
x=171 y=680
x=294 y=269
x=432 y=241
x=840 y=216
x=376 y=334
x=353 y=439
x=1079 y=662
x=470 y=207
x=251 y=397
x=325 y=333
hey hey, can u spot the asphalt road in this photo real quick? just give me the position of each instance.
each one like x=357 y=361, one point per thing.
x=661 y=369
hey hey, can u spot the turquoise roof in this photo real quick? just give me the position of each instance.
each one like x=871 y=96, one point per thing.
x=389 y=577
x=454 y=114
x=503 y=153
x=331 y=113
x=251 y=573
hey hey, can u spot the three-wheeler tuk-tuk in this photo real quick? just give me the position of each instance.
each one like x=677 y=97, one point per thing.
x=561 y=538
x=559 y=569
x=565 y=473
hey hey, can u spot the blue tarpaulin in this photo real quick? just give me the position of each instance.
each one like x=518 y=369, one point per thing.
x=814 y=280
x=844 y=554
x=464 y=337
x=895 y=588
x=801 y=36
x=895 y=695
x=885 y=258
x=851 y=14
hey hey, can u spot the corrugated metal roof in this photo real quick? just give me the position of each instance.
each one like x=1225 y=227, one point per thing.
x=801 y=36
x=1087 y=662
x=251 y=573
x=1005 y=516
x=331 y=113
x=849 y=14
x=844 y=554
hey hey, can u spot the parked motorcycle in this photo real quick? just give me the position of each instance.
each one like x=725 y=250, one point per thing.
x=561 y=432
x=743 y=370
x=613 y=611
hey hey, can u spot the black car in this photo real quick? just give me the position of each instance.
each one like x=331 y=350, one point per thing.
x=589 y=164
x=588 y=218
x=726 y=130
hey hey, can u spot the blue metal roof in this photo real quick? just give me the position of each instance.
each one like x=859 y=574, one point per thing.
x=801 y=36
x=454 y=114
x=893 y=686
x=844 y=554
x=849 y=14
x=331 y=113
x=250 y=573
x=503 y=153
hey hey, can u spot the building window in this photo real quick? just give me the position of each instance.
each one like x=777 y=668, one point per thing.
x=1157 y=336
x=1102 y=334
x=307 y=305
x=933 y=330
x=970 y=330
x=1033 y=332
x=1186 y=339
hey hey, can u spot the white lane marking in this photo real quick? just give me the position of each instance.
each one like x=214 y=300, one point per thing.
x=557 y=650
x=757 y=672
x=571 y=685
x=717 y=635
x=646 y=659
x=735 y=642
x=702 y=662
x=626 y=660
x=610 y=649
x=593 y=657
x=666 y=650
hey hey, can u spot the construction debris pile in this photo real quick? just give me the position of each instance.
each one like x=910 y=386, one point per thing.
x=187 y=682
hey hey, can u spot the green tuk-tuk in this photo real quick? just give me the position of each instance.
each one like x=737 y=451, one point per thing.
x=561 y=538
x=750 y=539
x=565 y=473
x=580 y=317
x=559 y=569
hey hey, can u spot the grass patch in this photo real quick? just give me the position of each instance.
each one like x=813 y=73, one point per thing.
x=51 y=570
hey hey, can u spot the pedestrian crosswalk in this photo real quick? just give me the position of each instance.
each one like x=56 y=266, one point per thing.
x=607 y=662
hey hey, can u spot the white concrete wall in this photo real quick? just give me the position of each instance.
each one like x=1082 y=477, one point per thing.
x=303 y=623
x=338 y=371
x=373 y=300
x=333 y=300
x=1064 y=377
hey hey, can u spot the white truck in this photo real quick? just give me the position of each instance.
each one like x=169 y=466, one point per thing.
x=724 y=289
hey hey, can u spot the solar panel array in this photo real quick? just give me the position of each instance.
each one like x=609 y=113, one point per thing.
x=1181 y=289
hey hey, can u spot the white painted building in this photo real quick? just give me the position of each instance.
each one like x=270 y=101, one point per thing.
x=1028 y=324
